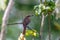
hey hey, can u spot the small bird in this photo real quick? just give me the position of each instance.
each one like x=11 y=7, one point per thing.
x=26 y=21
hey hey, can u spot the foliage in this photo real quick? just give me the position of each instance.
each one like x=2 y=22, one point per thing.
x=48 y=6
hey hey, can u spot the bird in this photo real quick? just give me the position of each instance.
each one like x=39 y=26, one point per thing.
x=26 y=21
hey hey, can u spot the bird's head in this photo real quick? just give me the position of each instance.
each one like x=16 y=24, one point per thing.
x=29 y=15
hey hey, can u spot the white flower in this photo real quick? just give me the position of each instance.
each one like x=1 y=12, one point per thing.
x=21 y=37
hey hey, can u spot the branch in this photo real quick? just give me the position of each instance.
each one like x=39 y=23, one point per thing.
x=13 y=23
x=41 y=28
x=20 y=23
x=5 y=19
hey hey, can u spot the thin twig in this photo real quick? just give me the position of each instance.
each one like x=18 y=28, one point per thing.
x=5 y=19
x=13 y=23
x=41 y=28
x=30 y=28
x=20 y=23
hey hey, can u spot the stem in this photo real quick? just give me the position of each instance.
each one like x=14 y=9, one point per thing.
x=42 y=24
x=49 y=26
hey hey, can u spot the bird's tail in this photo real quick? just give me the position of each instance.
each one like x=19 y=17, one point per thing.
x=24 y=30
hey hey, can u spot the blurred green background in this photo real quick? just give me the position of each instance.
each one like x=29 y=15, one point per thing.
x=23 y=8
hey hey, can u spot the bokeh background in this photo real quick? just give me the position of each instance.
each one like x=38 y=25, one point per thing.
x=21 y=9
